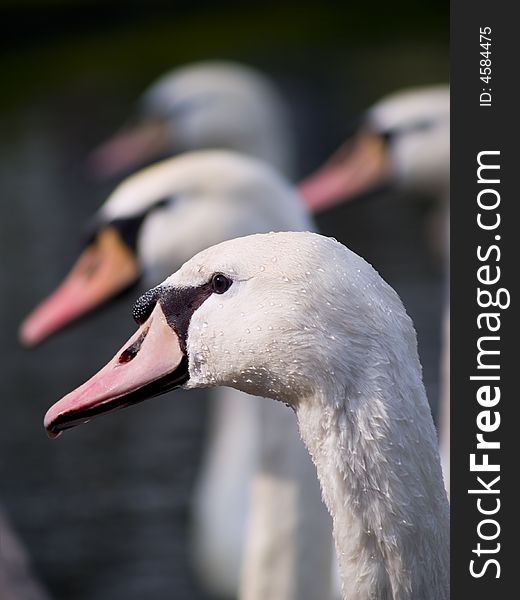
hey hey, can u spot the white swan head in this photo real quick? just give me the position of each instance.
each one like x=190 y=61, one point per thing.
x=402 y=140
x=282 y=315
x=157 y=219
x=299 y=318
x=209 y=104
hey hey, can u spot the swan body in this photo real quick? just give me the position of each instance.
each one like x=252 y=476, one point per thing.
x=174 y=209
x=403 y=140
x=211 y=104
x=301 y=319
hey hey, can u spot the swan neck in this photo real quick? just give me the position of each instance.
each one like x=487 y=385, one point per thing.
x=381 y=480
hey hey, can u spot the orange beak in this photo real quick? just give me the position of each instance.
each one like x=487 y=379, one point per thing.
x=361 y=164
x=130 y=148
x=105 y=268
x=150 y=363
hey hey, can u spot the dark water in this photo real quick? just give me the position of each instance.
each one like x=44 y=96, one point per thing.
x=104 y=510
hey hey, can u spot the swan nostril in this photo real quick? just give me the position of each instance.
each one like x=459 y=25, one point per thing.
x=131 y=352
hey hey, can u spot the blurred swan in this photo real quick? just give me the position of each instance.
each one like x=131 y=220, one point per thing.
x=152 y=223
x=404 y=140
x=203 y=105
x=342 y=355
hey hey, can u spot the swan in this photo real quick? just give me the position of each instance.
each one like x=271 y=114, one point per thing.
x=209 y=104
x=151 y=224
x=299 y=318
x=403 y=140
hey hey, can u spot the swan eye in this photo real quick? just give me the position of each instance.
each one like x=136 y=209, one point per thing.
x=220 y=283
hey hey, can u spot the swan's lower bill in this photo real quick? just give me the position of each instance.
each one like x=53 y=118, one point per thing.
x=150 y=363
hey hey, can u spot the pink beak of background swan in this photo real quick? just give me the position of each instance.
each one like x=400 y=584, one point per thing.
x=359 y=165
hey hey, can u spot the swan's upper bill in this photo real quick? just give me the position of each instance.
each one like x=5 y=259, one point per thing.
x=403 y=139
x=160 y=217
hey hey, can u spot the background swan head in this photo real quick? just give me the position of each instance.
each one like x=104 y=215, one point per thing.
x=159 y=218
x=402 y=140
x=203 y=105
x=281 y=315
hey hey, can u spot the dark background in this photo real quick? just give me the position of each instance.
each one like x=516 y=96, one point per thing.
x=104 y=510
